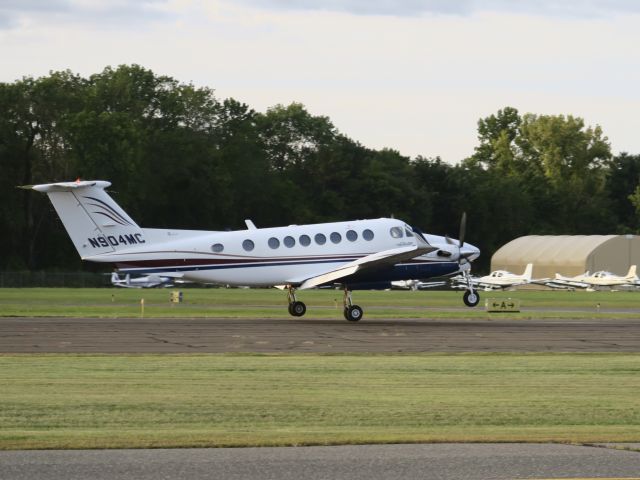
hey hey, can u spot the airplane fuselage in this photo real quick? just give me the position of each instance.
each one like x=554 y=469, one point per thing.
x=280 y=255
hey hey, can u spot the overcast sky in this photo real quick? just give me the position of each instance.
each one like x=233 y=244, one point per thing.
x=414 y=76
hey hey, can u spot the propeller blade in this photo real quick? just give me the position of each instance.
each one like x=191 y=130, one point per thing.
x=463 y=228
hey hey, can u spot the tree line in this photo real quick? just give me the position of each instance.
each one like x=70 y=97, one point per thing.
x=179 y=157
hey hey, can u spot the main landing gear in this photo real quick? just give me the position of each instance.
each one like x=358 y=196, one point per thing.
x=352 y=312
x=296 y=308
x=471 y=297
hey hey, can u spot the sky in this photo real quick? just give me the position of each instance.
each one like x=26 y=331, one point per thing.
x=414 y=75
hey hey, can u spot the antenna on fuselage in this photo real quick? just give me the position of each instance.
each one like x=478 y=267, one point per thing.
x=250 y=225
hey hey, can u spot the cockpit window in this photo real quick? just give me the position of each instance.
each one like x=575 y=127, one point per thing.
x=408 y=232
x=396 y=232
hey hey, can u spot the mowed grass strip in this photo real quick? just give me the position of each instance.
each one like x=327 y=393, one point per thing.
x=132 y=401
x=324 y=303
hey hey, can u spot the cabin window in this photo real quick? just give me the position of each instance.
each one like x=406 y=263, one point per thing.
x=289 y=242
x=320 y=239
x=367 y=235
x=248 y=245
x=305 y=241
x=335 y=237
x=217 y=247
x=396 y=232
x=352 y=236
x=274 y=242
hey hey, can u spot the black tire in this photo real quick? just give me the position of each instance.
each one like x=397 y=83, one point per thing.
x=471 y=298
x=354 y=313
x=345 y=312
x=290 y=310
x=298 y=309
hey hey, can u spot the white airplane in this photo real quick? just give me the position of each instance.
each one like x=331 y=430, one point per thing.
x=500 y=279
x=357 y=254
x=416 y=284
x=147 y=281
x=598 y=279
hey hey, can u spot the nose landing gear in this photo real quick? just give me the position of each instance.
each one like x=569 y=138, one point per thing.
x=471 y=297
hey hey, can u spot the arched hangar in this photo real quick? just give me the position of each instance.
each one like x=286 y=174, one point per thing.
x=568 y=255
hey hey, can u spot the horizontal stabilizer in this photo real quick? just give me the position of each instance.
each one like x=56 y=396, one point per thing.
x=67 y=186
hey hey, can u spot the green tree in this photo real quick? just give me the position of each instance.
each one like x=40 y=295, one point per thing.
x=32 y=148
x=291 y=135
x=622 y=191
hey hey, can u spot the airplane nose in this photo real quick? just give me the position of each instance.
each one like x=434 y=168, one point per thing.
x=470 y=252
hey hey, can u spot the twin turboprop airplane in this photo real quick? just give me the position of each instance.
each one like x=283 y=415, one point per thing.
x=360 y=254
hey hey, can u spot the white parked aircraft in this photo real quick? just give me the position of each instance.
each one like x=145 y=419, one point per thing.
x=357 y=254
x=500 y=279
x=416 y=284
x=146 y=281
x=598 y=279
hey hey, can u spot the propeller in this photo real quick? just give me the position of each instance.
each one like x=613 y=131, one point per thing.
x=463 y=228
x=461 y=257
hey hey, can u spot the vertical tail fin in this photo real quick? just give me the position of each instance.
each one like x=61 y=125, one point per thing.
x=93 y=220
x=528 y=272
x=632 y=273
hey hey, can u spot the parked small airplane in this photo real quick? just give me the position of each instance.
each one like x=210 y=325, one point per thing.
x=416 y=284
x=358 y=254
x=147 y=281
x=598 y=279
x=499 y=279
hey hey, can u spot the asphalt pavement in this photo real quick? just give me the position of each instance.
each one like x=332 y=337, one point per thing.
x=366 y=462
x=307 y=335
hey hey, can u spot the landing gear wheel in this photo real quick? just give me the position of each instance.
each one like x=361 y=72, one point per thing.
x=471 y=298
x=297 y=309
x=353 y=313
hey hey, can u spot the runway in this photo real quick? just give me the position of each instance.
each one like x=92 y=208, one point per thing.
x=294 y=335
x=367 y=462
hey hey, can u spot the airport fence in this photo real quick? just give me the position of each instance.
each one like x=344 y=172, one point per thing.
x=53 y=279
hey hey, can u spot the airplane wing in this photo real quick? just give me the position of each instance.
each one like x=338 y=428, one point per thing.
x=461 y=282
x=560 y=283
x=387 y=257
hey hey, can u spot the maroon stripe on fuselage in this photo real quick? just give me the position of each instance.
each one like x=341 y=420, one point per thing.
x=226 y=261
x=185 y=262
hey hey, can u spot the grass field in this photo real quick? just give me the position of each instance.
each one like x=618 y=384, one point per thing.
x=109 y=401
x=101 y=401
x=269 y=303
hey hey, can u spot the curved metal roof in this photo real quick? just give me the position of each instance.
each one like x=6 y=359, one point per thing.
x=568 y=254
x=573 y=250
